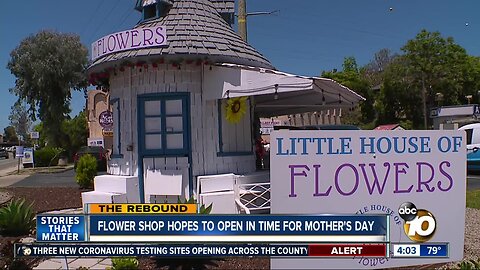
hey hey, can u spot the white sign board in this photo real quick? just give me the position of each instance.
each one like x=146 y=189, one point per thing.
x=19 y=151
x=95 y=142
x=267 y=125
x=373 y=172
x=34 y=135
x=128 y=40
x=27 y=156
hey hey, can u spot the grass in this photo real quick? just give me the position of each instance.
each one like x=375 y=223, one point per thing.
x=52 y=169
x=473 y=199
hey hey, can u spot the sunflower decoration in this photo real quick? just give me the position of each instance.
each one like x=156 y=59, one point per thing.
x=236 y=109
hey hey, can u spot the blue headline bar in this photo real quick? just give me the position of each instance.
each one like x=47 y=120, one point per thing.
x=238 y=225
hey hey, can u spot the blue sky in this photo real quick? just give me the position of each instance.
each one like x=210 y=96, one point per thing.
x=305 y=37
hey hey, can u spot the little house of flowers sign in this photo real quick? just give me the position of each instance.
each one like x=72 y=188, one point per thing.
x=129 y=39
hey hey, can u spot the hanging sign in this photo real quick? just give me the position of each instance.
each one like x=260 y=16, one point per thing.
x=107 y=133
x=106 y=120
x=267 y=125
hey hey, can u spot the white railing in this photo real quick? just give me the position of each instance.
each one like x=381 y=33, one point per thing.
x=252 y=197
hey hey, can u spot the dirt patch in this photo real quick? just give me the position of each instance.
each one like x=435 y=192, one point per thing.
x=48 y=198
x=43 y=199
x=222 y=263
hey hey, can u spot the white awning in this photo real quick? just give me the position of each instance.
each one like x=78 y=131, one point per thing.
x=278 y=93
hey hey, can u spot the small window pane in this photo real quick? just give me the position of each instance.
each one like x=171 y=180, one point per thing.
x=152 y=107
x=469 y=135
x=116 y=128
x=174 y=124
x=174 y=141
x=173 y=106
x=153 y=124
x=153 y=141
x=150 y=11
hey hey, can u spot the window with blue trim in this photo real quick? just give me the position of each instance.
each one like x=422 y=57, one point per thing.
x=235 y=139
x=117 y=132
x=164 y=125
x=153 y=9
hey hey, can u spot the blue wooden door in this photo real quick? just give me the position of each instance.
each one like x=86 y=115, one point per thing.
x=164 y=133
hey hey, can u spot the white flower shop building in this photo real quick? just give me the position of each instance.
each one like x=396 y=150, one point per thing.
x=184 y=88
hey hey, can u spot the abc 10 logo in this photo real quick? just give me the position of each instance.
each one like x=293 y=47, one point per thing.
x=420 y=224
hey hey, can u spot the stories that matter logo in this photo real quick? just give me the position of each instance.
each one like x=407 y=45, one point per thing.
x=419 y=225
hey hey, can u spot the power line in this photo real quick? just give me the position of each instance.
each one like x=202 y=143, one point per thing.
x=103 y=21
x=92 y=16
x=126 y=16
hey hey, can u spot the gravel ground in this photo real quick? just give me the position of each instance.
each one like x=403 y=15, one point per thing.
x=472 y=237
x=55 y=198
x=472 y=234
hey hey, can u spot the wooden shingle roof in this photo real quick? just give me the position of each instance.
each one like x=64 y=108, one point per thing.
x=194 y=29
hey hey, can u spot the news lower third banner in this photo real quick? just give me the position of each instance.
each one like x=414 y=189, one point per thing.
x=214 y=228
x=200 y=250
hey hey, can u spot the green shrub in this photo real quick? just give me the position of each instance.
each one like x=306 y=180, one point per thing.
x=17 y=218
x=202 y=211
x=86 y=171
x=124 y=263
x=469 y=265
x=47 y=156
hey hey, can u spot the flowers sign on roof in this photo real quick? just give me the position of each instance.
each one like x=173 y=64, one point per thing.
x=129 y=39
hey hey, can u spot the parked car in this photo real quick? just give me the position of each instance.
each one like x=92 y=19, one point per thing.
x=473 y=146
x=97 y=151
x=4 y=153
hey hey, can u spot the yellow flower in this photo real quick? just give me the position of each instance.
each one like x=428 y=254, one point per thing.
x=236 y=109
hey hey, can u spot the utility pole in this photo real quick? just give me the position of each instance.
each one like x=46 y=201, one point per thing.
x=424 y=97
x=242 y=18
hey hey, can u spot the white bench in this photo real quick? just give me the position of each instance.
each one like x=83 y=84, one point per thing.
x=253 y=197
x=234 y=194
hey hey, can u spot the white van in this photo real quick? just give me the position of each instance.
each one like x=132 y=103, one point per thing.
x=472 y=145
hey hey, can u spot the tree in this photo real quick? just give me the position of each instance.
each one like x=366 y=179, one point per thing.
x=42 y=141
x=10 y=135
x=76 y=131
x=351 y=77
x=430 y=64
x=374 y=70
x=47 y=66
x=20 y=120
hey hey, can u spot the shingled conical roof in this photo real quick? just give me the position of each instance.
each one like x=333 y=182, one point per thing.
x=194 y=29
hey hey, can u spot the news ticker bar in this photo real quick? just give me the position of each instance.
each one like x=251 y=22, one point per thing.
x=197 y=250
x=213 y=228
x=402 y=250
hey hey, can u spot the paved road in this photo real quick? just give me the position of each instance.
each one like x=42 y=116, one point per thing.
x=473 y=181
x=63 y=179
x=8 y=163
